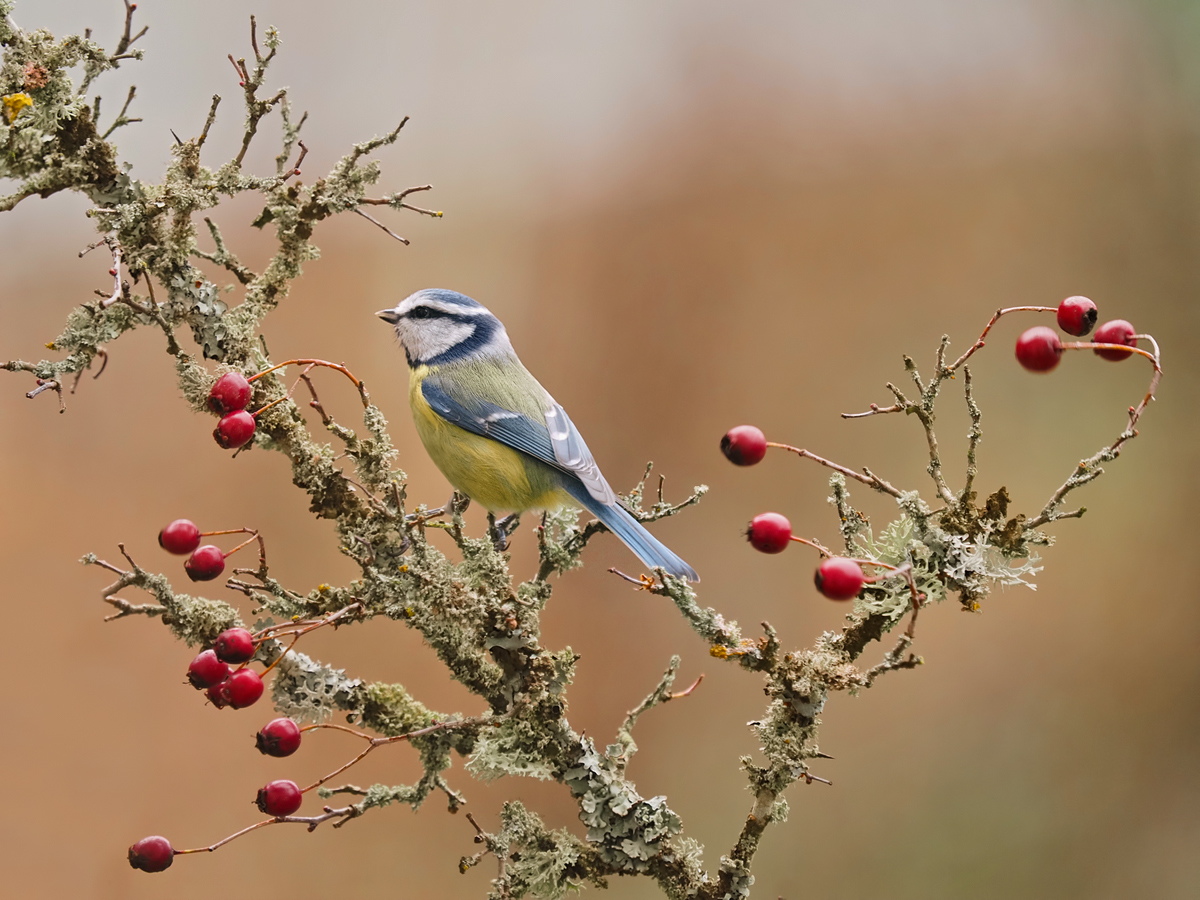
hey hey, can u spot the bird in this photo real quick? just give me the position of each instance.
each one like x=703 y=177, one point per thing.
x=494 y=431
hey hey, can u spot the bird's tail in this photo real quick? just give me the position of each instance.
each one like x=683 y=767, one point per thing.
x=651 y=551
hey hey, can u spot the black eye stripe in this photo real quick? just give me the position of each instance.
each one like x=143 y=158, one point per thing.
x=426 y=312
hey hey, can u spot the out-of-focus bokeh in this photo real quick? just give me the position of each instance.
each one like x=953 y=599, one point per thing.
x=689 y=215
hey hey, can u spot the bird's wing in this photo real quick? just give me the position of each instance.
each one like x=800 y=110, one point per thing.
x=573 y=455
x=555 y=442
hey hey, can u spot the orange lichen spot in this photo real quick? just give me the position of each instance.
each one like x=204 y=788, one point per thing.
x=718 y=651
x=35 y=77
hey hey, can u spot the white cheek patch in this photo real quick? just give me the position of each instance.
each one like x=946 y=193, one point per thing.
x=427 y=338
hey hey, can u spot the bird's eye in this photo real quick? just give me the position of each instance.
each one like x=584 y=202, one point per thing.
x=425 y=312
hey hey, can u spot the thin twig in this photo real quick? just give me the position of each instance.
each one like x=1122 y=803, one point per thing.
x=868 y=478
x=1089 y=469
x=379 y=224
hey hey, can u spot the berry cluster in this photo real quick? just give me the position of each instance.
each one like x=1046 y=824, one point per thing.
x=279 y=799
x=838 y=577
x=213 y=672
x=229 y=397
x=1039 y=349
x=205 y=562
x=224 y=686
x=232 y=392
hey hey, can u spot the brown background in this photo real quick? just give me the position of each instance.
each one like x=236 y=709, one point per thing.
x=688 y=217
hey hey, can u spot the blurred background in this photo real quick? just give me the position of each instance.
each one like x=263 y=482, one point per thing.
x=689 y=215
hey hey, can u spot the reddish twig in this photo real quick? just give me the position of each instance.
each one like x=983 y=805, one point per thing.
x=816 y=545
x=953 y=367
x=310 y=363
x=381 y=741
x=869 y=478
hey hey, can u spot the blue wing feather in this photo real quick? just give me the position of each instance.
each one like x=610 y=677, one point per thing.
x=522 y=433
x=488 y=420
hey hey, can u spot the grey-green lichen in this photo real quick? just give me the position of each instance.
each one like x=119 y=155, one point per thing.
x=482 y=623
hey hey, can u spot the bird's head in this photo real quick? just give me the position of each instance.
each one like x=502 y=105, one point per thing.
x=437 y=326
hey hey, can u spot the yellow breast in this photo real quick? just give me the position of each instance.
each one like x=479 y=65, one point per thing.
x=490 y=473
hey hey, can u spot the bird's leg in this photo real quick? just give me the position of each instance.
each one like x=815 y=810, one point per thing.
x=456 y=504
x=500 y=529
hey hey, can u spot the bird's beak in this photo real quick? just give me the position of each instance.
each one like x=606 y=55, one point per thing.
x=389 y=316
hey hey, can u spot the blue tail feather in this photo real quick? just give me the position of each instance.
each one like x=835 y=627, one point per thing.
x=651 y=551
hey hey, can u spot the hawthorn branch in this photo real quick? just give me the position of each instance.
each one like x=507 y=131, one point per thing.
x=869 y=478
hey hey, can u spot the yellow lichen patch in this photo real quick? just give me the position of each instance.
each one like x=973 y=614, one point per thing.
x=718 y=651
x=14 y=103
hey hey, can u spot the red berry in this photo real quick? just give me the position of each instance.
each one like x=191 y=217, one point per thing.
x=207 y=671
x=744 y=445
x=279 y=798
x=234 y=645
x=234 y=430
x=230 y=393
x=769 y=532
x=215 y=697
x=1118 y=331
x=279 y=737
x=181 y=536
x=839 y=578
x=1077 y=316
x=205 y=563
x=242 y=688
x=1039 y=349
x=152 y=854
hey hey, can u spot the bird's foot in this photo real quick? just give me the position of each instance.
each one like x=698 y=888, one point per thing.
x=456 y=505
x=500 y=529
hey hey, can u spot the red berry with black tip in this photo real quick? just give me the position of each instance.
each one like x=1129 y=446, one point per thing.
x=1118 y=331
x=230 y=393
x=839 y=578
x=769 y=533
x=242 y=688
x=1077 y=316
x=216 y=697
x=234 y=430
x=279 y=798
x=744 y=445
x=234 y=645
x=206 y=671
x=1039 y=349
x=205 y=564
x=279 y=737
x=152 y=854
x=180 y=537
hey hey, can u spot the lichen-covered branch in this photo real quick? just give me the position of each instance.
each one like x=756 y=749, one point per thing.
x=482 y=623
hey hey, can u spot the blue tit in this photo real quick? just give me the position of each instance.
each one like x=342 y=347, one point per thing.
x=495 y=433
